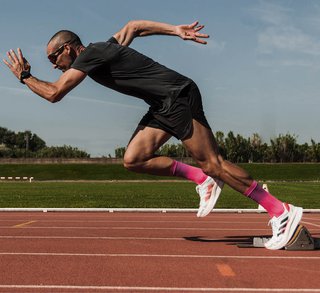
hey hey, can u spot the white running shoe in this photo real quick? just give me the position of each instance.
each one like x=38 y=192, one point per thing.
x=209 y=192
x=284 y=226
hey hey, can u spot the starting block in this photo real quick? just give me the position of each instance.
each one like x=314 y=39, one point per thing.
x=301 y=240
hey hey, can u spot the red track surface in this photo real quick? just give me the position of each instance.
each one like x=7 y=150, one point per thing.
x=146 y=252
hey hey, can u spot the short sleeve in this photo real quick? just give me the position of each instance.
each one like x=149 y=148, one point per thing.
x=96 y=55
x=113 y=40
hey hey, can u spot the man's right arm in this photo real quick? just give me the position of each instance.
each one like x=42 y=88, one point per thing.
x=51 y=91
x=55 y=91
x=140 y=28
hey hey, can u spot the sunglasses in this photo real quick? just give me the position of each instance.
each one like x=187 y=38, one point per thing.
x=54 y=55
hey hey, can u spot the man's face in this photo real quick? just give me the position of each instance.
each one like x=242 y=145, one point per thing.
x=60 y=56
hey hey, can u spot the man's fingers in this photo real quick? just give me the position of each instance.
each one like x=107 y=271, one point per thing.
x=12 y=56
x=193 y=25
x=9 y=56
x=200 y=41
x=202 y=35
x=198 y=28
x=7 y=63
x=20 y=56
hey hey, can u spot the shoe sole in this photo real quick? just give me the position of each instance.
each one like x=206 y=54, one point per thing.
x=292 y=227
x=215 y=193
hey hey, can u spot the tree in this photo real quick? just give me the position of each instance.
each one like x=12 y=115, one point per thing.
x=62 y=152
x=239 y=149
x=119 y=152
x=284 y=148
x=258 y=149
x=36 y=143
x=315 y=151
x=28 y=144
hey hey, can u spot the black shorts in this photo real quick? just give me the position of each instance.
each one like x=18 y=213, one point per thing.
x=177 y=119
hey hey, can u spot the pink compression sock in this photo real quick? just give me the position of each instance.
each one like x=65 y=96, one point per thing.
x=189 y=172
x=272 y=205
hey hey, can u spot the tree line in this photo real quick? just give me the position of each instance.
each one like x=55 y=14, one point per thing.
x=238 y=149
x=29 y=145
x=234 y=148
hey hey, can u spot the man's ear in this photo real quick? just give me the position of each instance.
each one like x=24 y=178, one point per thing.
x=71 y=51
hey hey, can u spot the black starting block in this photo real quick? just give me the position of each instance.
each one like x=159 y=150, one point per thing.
x=301 y=240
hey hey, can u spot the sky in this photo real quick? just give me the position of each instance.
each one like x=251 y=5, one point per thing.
x=259 y=72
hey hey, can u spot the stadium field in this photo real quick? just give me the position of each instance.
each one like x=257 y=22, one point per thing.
x=141 y=194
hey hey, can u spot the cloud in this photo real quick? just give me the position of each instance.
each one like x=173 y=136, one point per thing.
x=282 y=37
x=287 y=63
x=91 y=100
x=271 y=13
x=27 y=92
x=14 y=90
x=287 y=39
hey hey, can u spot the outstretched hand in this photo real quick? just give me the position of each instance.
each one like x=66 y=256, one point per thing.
x=17 y=63
x=191 y=32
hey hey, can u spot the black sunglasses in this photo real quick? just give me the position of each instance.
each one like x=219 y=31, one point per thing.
x=54 y=55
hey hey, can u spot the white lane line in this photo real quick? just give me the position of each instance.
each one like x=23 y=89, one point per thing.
x=156 y=255
x=163 y=289
x=142 y=221
x=142 y=228
x=101 y=237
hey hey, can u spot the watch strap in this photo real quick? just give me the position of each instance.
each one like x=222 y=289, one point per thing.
x=24 y=75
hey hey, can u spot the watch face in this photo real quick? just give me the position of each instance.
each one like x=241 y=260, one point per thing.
x=24 y=75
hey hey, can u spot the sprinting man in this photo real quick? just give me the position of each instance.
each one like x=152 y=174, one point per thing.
x=175 y=110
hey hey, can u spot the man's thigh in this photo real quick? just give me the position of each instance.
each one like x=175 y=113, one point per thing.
x=145 y=141
x=202 y=144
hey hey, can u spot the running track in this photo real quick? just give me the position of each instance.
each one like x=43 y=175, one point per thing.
x=148 y=252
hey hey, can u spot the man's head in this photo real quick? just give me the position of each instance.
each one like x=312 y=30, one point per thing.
x=63 y=48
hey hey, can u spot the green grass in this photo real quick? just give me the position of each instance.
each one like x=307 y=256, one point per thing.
x=280 y=172
x=72 y=172
x=284 y=172
x=303 y=189
x=140 y=195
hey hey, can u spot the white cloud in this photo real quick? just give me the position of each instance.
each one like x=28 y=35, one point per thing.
x=287 y=63
x=19 y=91
x=282 y=38
x=289 y=39
x=271 y=13
x=27 y=92
x=91 y=100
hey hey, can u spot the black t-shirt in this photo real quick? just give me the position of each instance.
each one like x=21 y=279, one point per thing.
x=127 y=71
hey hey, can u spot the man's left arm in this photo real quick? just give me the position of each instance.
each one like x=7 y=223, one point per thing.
x=141 y=28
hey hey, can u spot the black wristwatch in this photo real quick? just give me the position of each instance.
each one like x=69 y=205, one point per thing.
x=24 y=75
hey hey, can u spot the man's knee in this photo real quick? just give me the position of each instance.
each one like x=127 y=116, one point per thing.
x=134 y=162
x=213 y=168
x=130 y=162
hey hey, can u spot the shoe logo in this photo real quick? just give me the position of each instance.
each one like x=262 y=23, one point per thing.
x=208 y=193
x=283 y=225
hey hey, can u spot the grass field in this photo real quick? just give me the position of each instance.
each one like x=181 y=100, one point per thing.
x=141 y=195
x=295 y=183
x=277 y=172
